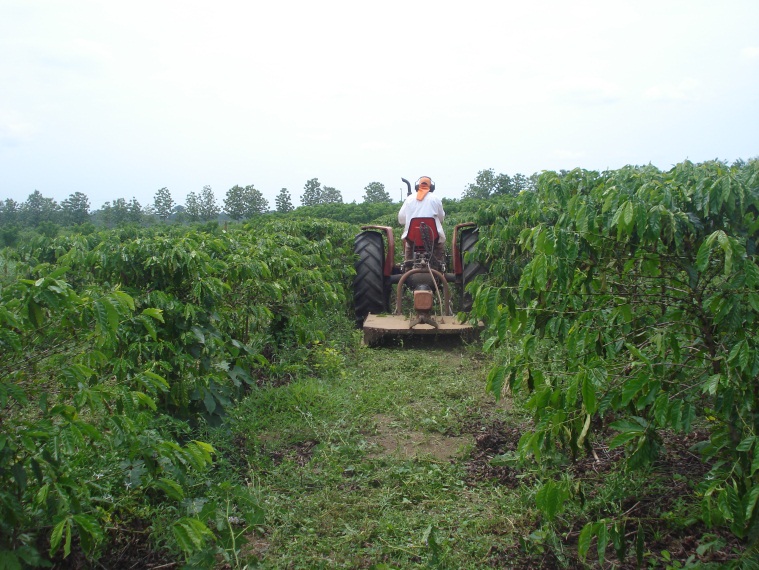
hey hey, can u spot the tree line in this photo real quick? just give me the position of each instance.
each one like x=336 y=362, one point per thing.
x=240 y=203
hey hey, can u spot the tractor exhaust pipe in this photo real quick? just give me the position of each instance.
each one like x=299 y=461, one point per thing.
x=408 y=185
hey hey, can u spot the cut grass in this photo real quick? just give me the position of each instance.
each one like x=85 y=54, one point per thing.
x=388 y=466
x=370 y=468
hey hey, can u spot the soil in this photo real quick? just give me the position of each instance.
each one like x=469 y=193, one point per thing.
x=300 y=453
x=391 y=440
x=129 y=546
x=491 y=440
x=675 y=468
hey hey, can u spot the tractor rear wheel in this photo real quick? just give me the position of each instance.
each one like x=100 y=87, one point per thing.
x=371 y=293
x=471 y=269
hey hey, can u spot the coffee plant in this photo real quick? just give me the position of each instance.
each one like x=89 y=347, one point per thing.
x=116 y=344
x=628 y=301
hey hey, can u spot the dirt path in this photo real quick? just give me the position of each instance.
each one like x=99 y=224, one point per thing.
x=389 y=463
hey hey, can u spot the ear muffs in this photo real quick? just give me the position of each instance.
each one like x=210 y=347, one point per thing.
x=432 y=184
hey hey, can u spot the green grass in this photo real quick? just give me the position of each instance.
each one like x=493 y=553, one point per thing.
x=376 y=464
x=336 y=498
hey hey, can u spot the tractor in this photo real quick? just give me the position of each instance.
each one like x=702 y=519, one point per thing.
x=425 y=277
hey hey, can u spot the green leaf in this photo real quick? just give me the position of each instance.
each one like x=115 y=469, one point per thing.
x=727 y=249
x=489 y=343
x=640 y=545
x=540 y=272
x=495 y=381
x=153 y=381
x=746 y=444
x=623 y=438
x=751 y=498
x=711 y=384
x=149 y=326
x=172 y=489
x=153 y=313
x=629 y=425
x=628 y=215
x=106 y=316
x=702 y=257
x=583 y=542
x=603 y=541
x=34 y=312
x=57 y=536
x=502 y=327
x=550 y=498
x=737 y=511
x=191 y=534
x=637 y=353
x=124 y=299
x=145 y=400
x=492 y=304
x=629 y=430
x=632 y=387
x=90 y=532
x=206 y=447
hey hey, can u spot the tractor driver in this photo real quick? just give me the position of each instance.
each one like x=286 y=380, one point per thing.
x=423 y=204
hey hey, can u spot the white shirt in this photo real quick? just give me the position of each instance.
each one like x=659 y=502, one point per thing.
x=430 y=207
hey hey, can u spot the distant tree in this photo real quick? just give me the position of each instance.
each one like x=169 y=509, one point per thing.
x=487 y=184
x=312 y=193
x=180 y=213
x=235 y=202
x=331 y=196
x=284 y=202
x=133 y=211
x=258 y=204
x=244 y=202
x=38 y=209
x=163 y=203
x=113 y=214
x=209 y=210
x=9 y=234
x=375 y=193
x=48 y=229
x=9 y=212
x=520 y=183
x=192 y=207
x=120 y=212
x=76 y=209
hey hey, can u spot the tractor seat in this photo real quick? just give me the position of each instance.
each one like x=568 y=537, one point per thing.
x=415 y=231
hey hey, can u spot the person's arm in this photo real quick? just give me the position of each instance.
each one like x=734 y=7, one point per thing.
x=440 y=211
x=402 y=214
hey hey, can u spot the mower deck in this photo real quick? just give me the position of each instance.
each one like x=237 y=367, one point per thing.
x=376 y=327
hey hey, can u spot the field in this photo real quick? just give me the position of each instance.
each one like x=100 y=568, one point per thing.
x=199 y=395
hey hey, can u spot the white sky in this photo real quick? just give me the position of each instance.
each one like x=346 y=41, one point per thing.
x=118 y=99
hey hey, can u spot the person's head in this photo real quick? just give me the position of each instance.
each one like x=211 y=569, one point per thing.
x=425 y=182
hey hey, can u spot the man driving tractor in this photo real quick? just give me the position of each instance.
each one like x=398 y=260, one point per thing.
x=423 y=204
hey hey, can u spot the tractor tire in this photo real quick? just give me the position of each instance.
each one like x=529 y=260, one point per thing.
x=471 y=269
x=371 y=291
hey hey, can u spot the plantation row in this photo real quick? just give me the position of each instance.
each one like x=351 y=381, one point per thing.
x=110 y=339
x=622 y=306
x=619 y=307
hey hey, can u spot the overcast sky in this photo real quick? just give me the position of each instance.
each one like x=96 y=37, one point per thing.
x=118 y=99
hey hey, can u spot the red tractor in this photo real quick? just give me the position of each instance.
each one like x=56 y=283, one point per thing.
x=426 y=279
